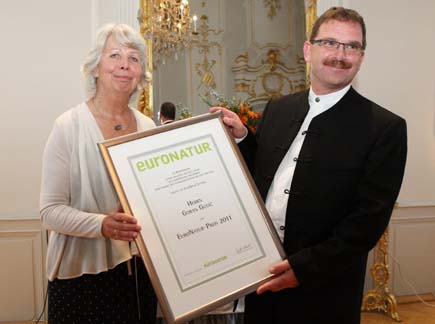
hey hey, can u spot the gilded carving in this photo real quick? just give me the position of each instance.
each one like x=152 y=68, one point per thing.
x=145 y=102
x=381 y=299
x=310 y=19
x=268 y=79
x=204 y=69
x=273 y=6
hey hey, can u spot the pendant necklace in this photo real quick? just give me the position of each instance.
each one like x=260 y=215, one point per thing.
x=117 y=127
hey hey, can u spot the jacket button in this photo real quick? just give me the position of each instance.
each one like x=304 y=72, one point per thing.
x=282 y=228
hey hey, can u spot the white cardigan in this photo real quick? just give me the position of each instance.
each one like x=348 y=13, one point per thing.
x=76 y=194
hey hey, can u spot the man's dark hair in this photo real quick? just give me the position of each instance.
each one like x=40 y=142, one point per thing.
x=340 y=14
x=167 y=110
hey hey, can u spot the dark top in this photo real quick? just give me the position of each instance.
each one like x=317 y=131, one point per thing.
x=344 y=187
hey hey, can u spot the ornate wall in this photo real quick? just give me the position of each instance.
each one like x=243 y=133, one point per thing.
x=251 y=49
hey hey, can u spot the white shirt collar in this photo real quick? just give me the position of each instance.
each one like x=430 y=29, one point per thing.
x=327 y=100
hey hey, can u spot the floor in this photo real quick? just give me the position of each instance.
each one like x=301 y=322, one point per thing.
x=412 y=313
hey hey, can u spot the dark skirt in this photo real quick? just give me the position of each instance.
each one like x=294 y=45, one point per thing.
x=108 y=297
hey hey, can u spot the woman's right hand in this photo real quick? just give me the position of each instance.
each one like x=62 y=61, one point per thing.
x=118 y=225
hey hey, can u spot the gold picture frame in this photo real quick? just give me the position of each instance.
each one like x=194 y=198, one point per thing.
x=206 y=237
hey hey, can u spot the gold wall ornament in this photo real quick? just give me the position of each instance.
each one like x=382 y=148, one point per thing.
x=273 y=6
x=145 y=101
x=381 y=299
x=165 y=26
x=201 y=41
x=270 y=78
x=310 y=19
x=144 y=105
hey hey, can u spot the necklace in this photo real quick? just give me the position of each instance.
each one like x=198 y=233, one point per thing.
x=118 y=127
x=109 y=118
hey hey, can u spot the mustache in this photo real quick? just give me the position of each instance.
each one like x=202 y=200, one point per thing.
x=341 y=64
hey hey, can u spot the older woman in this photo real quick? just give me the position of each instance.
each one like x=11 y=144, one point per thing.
x=93 y=277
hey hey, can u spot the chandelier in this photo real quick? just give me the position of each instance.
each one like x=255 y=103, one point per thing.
x=167 y=24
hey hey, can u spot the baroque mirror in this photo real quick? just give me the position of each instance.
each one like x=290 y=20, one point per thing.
x=245 y=49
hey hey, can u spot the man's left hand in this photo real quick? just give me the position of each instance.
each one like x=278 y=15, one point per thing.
x=284 y=278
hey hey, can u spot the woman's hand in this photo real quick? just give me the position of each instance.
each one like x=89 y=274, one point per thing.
x=284 y=278
x=120 y=226
x=233 y=121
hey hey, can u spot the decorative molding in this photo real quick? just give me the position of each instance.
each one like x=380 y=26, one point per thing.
x=405 y=204
x=252 y=23
x=26 y=239
x=310 y=19
x=14 y=224
x=273 y=6
x=205 y=46
x=415 y=214
x=145 y=100
x=413 y=298
x=20 y=215
x=269 y=78
x=205 y=53
x=411 y=256
x=413 y=220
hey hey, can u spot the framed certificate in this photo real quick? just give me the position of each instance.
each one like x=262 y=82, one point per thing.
x=206 y=237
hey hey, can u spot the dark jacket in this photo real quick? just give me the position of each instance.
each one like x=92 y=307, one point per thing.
x=345 y=184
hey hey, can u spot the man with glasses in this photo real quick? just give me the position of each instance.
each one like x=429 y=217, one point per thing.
x=329 y=164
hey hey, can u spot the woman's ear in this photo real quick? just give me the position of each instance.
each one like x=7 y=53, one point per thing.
x=95 y=73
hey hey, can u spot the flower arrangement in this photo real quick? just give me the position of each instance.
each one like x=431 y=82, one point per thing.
x=247 y=115
x=184 y=111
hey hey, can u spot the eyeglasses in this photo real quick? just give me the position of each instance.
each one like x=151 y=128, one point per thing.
x=330 y=44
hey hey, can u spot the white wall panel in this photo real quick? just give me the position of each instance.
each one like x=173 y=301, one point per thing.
x=22 y=278
x=412 y=243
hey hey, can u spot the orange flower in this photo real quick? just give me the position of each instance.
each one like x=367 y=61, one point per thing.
x=244 y=110
x=244 y=119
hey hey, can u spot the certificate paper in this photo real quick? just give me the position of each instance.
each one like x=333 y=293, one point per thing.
x=206 y=237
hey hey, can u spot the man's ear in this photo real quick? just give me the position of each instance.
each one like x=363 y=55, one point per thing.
x=307 y=51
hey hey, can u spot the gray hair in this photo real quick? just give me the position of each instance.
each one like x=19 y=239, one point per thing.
x=124 y=35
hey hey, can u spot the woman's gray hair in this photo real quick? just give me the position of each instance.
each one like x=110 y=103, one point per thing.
x=124 y=35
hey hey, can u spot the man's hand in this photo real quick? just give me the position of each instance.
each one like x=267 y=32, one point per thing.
x=232 y=121
x=284 y=278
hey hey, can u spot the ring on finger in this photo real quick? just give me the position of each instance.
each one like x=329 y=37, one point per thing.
x=115 y=232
